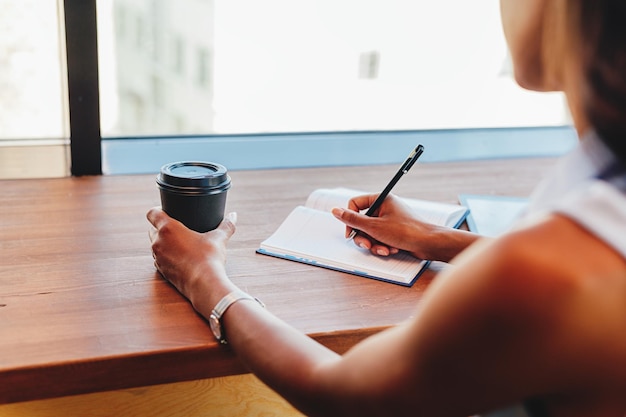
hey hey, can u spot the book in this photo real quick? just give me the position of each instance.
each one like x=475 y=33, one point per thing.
x=492 y=215
x=312 y=235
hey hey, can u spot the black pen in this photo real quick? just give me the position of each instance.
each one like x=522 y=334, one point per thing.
x=410 y=160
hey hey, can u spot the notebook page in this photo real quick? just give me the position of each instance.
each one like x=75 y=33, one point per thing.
x=327 y=198
x=316 y=237
x=435 y=212
x=430 y=211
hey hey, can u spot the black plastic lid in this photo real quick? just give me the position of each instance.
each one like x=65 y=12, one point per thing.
x=194 y=175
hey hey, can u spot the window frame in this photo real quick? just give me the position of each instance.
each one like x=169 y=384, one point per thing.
x=81 y=48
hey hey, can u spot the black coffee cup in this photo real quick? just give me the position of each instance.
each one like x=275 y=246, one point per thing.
x=194 y=193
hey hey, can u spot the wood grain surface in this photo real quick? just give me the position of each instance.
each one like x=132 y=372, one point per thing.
x=82 y=308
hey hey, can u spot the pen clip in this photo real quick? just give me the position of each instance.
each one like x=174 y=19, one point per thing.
x=413 y=158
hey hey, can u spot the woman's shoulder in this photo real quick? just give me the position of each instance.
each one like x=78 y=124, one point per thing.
x=547 y=253
x=557 y=249
x=569 y=284
x=554 y=256
x=537 y=274
x=540 y=310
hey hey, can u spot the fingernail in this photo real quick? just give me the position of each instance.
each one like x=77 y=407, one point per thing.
x=232 y=216
x=382 y=252
x=362 y=245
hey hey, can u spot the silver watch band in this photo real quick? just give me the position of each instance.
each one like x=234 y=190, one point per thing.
x=221 y=307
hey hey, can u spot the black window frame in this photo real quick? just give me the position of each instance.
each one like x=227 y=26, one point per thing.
x=81 y=45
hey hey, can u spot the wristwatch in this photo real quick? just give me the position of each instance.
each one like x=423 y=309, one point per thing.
x=220 y=309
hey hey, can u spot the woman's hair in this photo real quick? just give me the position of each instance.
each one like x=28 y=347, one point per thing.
x=597 y=31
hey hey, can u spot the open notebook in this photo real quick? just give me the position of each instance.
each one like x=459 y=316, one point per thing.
x=312 y=235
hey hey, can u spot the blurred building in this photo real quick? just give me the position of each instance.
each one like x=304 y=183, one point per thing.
x=163 y=53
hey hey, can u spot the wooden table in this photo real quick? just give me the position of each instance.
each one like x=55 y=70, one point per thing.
x=82 y=308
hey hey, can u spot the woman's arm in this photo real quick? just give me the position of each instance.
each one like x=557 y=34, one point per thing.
x=483 y=333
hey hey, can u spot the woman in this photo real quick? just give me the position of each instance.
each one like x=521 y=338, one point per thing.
x=536 y=319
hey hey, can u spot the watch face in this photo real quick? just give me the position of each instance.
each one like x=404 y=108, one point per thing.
x=216 y=328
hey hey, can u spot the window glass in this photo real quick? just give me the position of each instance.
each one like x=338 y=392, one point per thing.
x=34 y=132
x=247 y=66
x=32 y=83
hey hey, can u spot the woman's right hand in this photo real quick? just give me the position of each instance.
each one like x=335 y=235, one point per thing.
x=396 y=227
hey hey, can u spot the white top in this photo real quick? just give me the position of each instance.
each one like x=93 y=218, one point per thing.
x=576 y=190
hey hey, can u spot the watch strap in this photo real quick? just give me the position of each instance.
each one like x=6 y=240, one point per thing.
x=225 y=303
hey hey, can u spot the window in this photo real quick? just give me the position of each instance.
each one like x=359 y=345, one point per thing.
x=203 y=76
x=368 y=65
x=33 y=115
x=341 y=78
x=282 y=70
x=120 y=20
x=163 y=72
x=178 y=55
x=30 y=71
x=328 y=65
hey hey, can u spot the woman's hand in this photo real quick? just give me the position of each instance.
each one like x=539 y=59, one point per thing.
x=189 y=259
x=396 y=227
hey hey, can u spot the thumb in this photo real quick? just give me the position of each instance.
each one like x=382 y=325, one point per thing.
x=228 y=225
x=349 y=217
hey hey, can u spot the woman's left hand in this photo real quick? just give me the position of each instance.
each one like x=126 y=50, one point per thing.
x=185 y=257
